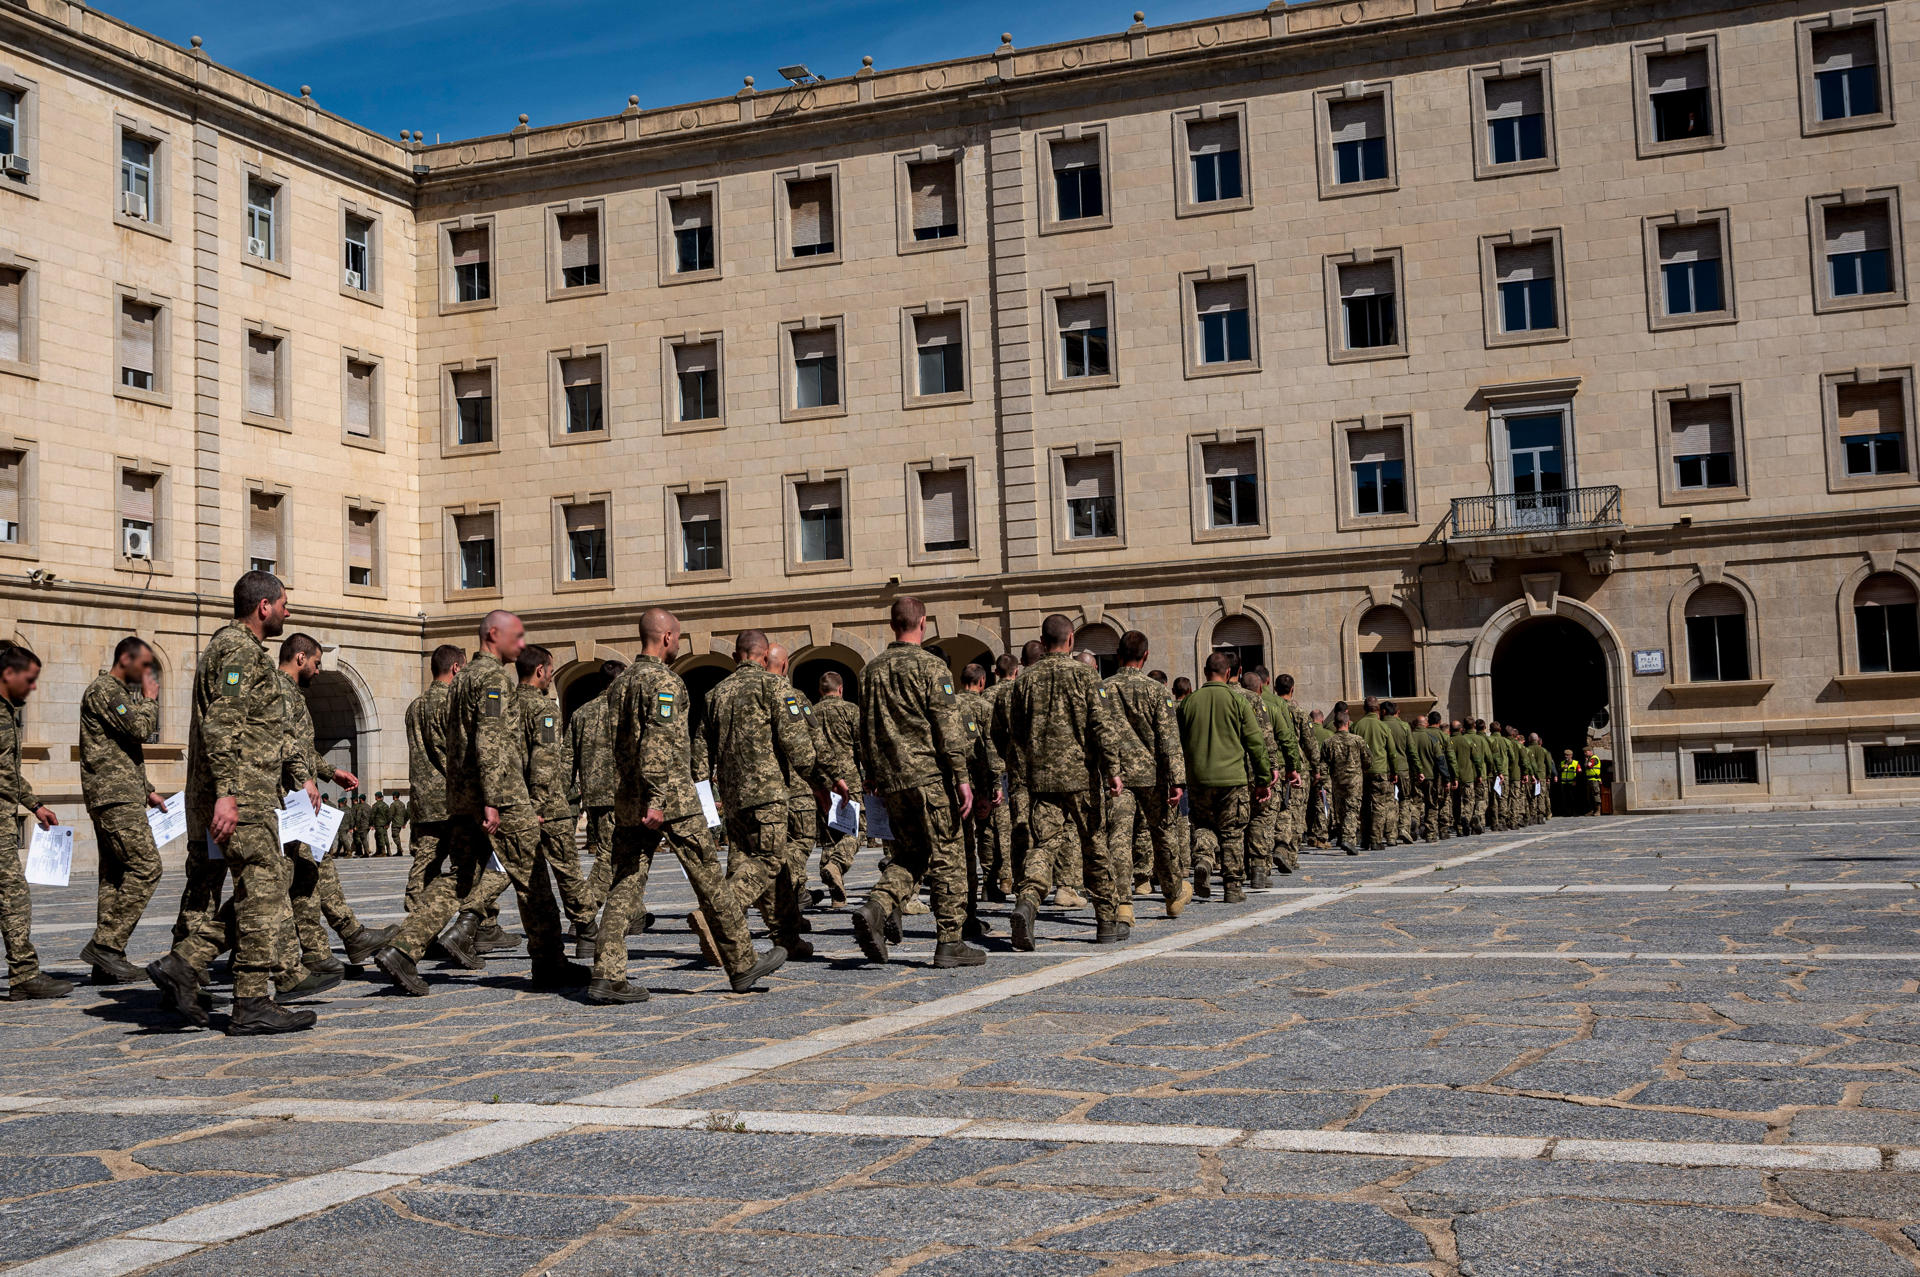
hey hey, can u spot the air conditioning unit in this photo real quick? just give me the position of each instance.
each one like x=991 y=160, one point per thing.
x=15 y=165
x=9 y=532
x=133 y=204
x=257 y=247
x=136 y=542
x=354 y=280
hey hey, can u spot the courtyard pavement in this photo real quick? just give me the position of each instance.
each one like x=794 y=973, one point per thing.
x=1655 y=1045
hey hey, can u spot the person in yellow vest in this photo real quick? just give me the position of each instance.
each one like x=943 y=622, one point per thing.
x=1569 y=783
x=1591 y=769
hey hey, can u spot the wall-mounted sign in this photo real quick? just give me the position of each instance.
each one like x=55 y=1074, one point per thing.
x=1652 y=660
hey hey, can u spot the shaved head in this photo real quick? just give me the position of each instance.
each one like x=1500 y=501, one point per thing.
x=906 y=614
x=659 y=632
x=1056 y=633
x=777 y=658
x=751 y=643
x=503 y=633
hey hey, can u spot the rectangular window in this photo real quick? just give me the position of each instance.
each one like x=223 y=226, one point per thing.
x=692 y=233
x=472 y=271
x=582 y=394
x=1524 y=274
x=1690 y=269
x=1083 y=337
x=139 y=515
x=1702 y=442
x=136 y=177
x=697 y=368
x=1233 y=484
x=1076 y=179
x=1873 y=427
x=1092 y=507
x=474 y=535
x=822 y=522
x=1891 y=762
x=1846 y=72
x=1679 y=95
x=357 y=254
x=700 y=533
x=263 y=531
x=1377 y=459
x=9 y=123
x=363 y=545
x=1386 y=674
x=945 y=520
x=1213 y=154
x=362 y=408
x=1358 y=133
x=13 y=315
x=586 y=527
x=940 y=354
x=1858 y=243
x=816 y=368
x=1717 y=649
x=810 y=216
x=1226 y=327
x=473 y=406
x=139 y=345
x=263 y=375
x=1516 y=119
x=13 y=511
x=579 y=238
x=1889 y=636
x=261 y=199
x=1367 y=304
x=1738 y=767
x=934 y=190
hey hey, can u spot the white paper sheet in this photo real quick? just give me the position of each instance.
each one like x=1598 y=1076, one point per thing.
x=325 y=827
x=296 y=818
x=169 y=824
x=843 y=815
x=1396 y=793
x=1536 y=789
x=1498 y=787
x=708 y=808
x=878 y=825
x=50 y=856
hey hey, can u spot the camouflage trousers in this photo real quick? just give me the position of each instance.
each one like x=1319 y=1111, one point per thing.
x=490 y=863
x=631 y=861
x=1069 y=827
x=600 y=845
x=803 y=831
x=999 y=865
x=1068 y=862
x=840 y=852
x=758 y=873
x=1290 y=829
x=1143 y=813
x=1410 y=805
x=1318 y=809
x=317 y=902
x=1347 y=799
x=558 y=849
x=1382 y=812
x=1593 y=798
x=256 y=922
x=1257 y=842
x=16 y=905
x=1219 y=814
x=129 y=871
x=381 y=845
x=927 y=845
x=1436 y=808
x=428 y=852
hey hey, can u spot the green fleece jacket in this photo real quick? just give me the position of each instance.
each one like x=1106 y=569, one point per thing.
x=1219 y=734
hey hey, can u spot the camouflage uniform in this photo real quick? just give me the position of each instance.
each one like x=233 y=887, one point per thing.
x=590 y=737
x=402 y=817
x=803 y=807
x=1293 y=822
x=1257 y=840
x=1151 y=762
x=1348 y=758
x=1289 y=759
x=1466 y=775
x=548 y=752
x=359 y=820
x=1385 y=761
x=1319 y=800
x=1225 y=754
x=1407 y=806
x=1070 y=742
x=314 y=892
x=16 y=908
x=237 y=746
x=914 y=749
x=983 y=773
x=1001 y=867
x=115 y=722
x=646 y=711
x=427 y=778
x=836 y=726
x=380 y=817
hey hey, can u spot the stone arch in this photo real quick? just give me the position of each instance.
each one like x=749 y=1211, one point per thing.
x=1103 y=641
x=1620 y=707
x=1376 y=596
x=960 y=651
x=991 y=640
x=576 y=683
x=1706 y=578
x=1209 y=623
x=173 y=687
x=806 y=665
x=1875 y=565
x=700 y=672
x=345 y=728
x=853 y=642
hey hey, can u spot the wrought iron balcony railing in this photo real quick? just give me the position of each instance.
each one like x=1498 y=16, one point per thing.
x=1521 y=514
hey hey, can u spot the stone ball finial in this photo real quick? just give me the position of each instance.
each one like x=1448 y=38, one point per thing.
x=1006 y=37
x=633 y=99
x=867 y=61
x=195 y=41
x=523 y=117
x=748 y=81
x=306 y=90
x=418 y=136
x=1139 y=15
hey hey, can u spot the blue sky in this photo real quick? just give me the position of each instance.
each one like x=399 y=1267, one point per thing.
x=462 y=68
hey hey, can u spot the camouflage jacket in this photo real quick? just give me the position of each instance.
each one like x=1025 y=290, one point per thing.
x=402 y=816
x=237 y=739
x=115 y=722
x=548 y=752
x=300 y=742
x=427 y=753
x=380 y=813
x=14 y=790
x=1068 y=739
x=801 y=781
x=592 y=746
x=485 y=763
x=1305 y=736
x=983 y=760
x=754 y=741
x=836 y=726
x=1349 y=757
x=1386 y=757
x=647 y=711
x=1151 y=753
x=357 y=818
x=910 y=732
x=1289 y=756
x=1008 y=748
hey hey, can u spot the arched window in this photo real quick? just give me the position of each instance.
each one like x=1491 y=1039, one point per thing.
x=1386 y=653
x=1887 y=624
x=1717 y=636
x=1241 y=636
x=1103 y=643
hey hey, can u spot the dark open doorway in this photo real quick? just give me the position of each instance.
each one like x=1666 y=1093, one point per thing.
x=805 y=678
x=1550 y=676
x=581 y=690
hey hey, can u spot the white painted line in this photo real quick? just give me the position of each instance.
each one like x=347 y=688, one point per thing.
x=1771 y=1157
x=463 y=1146
x=1103 y=1133
x=224 y=1221
x=581 y=1115
x=352 y=1110
x=1397 y=1145
x=109 y=1258
x=135 y=1107
x=785 y=1123
x=21 y=1103
x=1909 y=1161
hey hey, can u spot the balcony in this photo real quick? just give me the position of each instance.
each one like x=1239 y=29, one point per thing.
x=1535 y=513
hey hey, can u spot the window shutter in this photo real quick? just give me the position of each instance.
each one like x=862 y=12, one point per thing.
x=263 y=357
x=1077 y=314
x=138 y=499
x=943 y=507
x=1238 y=631
x=1376 y=445
x=816 y=497
x=936 y=330
x=1510 y=99
x=1884 y=589
x=359 y=399
x=263 y=526
x=935 y=201
x=11 y=464
x=1355 y=121
x=1373 y=279
x=1098 y=639
x=810 y=206
x=1087 y=476
x=700 y=356
x=1226 y=460
x=579 y=241
x=580 y=372
x=1698 y=243
x=1214 y=295
x=1672 y=72
x=814 y=343
x=1533 y=261
x=360 y=528
x=1212 y=137
x=12 y=285
x=1877 y=407
x=137 y=325
x=1704 y=425
x=469 y=248
x=473 y=527
x=692 y=212
x=1084 y=153
x=1386 y=629
x=1857 y=228
x=476 y=384
x=1845 y=49
x=703 y=507
x=591 y=517
x=1716 y=600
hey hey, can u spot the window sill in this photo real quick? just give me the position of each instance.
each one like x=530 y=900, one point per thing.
x=271 y=265
x=364 y=591
x=1086 y=545
x=1343 y=190
x=464 y=308
x=790 y=262
x=1531 y=337
x=1699 y=319
x=156 y=229
x=561 y=294
x=1486 y=172
x=941 y=400
x=1366 y=355
x=1252 y=532
x=1731 y=692
x=1823 y=305
x=464 y=596
x=598 y=586
x=1685 y=146
x=1413 y=708
x=909 y=245
x=1049 y=226
x=1368 y=522
x=1900 y=683
x=25 y=552
x=1704 y=496
x=449 y=450
x=813 y=414
x=1872 y=483
x=1231 y=368
x=795 y=568
x=1067 y=385
x=361 y=294
x=933 y=558
x=1186 y=208
x=19 y=368
x=689 y=277
x=279 y=425
x=364 y=442
x=698 y=426
x=564 y=439
x=158 y=398
x=1851 y=124
x=29 y=188
x=144 y=567
x=714 y=576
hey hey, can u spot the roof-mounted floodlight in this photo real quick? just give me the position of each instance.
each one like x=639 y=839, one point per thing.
x=798 y=74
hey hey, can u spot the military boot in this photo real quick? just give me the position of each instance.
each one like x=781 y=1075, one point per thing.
x=870 y=926
x=613 y=992
x=1233 y=894
x=360 y=942
x=953 y=953
x=1021 y=921
x=108 y=967
x=770 y=962
x=975 y=927
x=836 y=884
x=1348 y=847
x=316 y=983
x=894 y=934
x=1115 y=932
x=640 y=923
x=586 y=937
x=492 y=936
x=1177 y=902
x=44 y=986
x=399 y=968
x=558 y=973
x=322 y=963
x=179 y=989
x=1202 y=889
x=460 y=940
x=255 y=1017
x=1126 y=913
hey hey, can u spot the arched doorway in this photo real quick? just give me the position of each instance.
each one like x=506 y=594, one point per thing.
x=810 y=663
x=1243 y=637
x=1550 y=676
x=1103 y=644
x=578 y=684
x=961 y=651
x=701 y=674
x=336 y=726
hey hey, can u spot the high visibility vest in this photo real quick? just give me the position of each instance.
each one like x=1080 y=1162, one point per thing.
x=1593 y=769
x=1570 y=771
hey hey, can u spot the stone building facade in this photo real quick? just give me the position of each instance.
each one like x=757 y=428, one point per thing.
x=1536 y=359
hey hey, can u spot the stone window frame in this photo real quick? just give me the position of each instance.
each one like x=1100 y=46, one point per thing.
x=1522 y=237
x=282 y=418
x=450 y=412
x=670 y=422
x=1706 y=577
x=1190 y=321
x=1199 y=500
x=597 y=208
x=1650 y=227
x=280 y=262
x=348 y=505
x=557 y=396
x=1811 y=125
x=790 y=516
x=1184 y=204
x=162 y=393
x=1336 y=314
x=789 y=371
x=374 y=294
x=1671 y=493
x=159 y=219
x=1644 y=145
x=910 y=396
x=26 y=545
x=1824 y=302
x=562 y=583
x=1857 y=779
x=917 y=554
x=26 y=128
x=1346 y=518
x=450 y=551
x=677 y=573
x=1484 y=168
x=1847 y=598
x=1057 y=506
x=669 y=252
x=1690 y=790
x=1837 y=478
x=1056 y=380
x=783 y=258
x=283 y=536
x=1327 y=166
x=1043 y=142
x=443 y=234
x=28 y=365
x=376 y=440
x=161 y=564
x=903 y=197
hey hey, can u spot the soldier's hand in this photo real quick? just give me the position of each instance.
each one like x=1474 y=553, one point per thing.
x=490 y=822
x=313 y=795
x=150 y=686
x=1263 y=792
x=155 y=800
x=345 y=779
x=226 y=819
x=840 y=788
x=654 y=819
x=46 y=817
x=966 y=800
x=1115 y=785
x=1293 y=780
x=1174 y=793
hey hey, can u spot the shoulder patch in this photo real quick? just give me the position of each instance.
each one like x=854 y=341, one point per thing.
x=793 y=707
x=1103 y=691
x=121 y=709
x=1169 y=702
x=230 y=680
x=947 y=687
x=491 y=706
x=663 y=705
